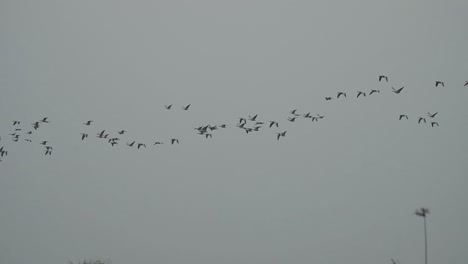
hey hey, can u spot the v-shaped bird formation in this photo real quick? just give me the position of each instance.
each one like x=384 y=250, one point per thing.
x=250 y=124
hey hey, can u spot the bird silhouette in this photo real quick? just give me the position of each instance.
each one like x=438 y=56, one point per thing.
x=272 y=123
x=374 y=91
x=252 y=118
x=401 y=116
x=328 y=98
x=397 y=91
x=88 y=122
x=381 y=77
x=174 y=140
x=168 y=106
x=434 y=124
x=121 y=132
x=361 y=93
x=140 y=145
x=466 y=83
x=130 y=144
x=291 y=119
x=44 y=120
x=340 y=94
x=186 y=107
x=16 y=122
x=437 y=83
x=157 y=143
x=320 y=116
x=281 y=134
x=421 y=119
x=44 y=143
x=83 y=136
x=101 y=135
x=293 y=112
x=432 y=115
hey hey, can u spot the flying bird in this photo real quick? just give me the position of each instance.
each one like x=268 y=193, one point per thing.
x=328 y=98
x=140 y=145
x=291 y=119
x=273 y=123
x=281 y=134
x=422 y=119
x=401 y=116
x=121 y=132
x=293 y=112
x=44 y=120
x=397 y=91
x=432 y=115
x=130 y=144
x=434 y=124
x=44 y=143
x=381 y=77
x=157 y=143
x=340 y=94
x=360 y=93
x=174 y=140
x=466 y=83
x=186 y=107
x=83 y=136
x=374 y=91
x=439 y=82
x=88 y=122
x=252 y=118
x=16 y=122
x=168 y=106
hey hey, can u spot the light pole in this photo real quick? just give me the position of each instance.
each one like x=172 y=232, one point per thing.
x=423 y=213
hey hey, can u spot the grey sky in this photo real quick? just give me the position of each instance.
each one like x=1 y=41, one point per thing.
x=341 y=190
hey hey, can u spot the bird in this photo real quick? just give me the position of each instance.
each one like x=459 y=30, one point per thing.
x=422 y=119
x=383 y=77
x=466 y=83
x=273 y=123
x=44 y=143
x=16 y=122
x=242 y=120
x=397 y=91
x=291 y=119
x=174 y=140
x=101 y=135
x=252 y=118
x=49 y=148
x=44 y=120
x=186 y=107
x=360 y=93
x=434 y=124
x=307 y=115
x=29 y=132
x=48 y=152
x=401 y=116
x=157 y=143
x=83 y=136
x=293 y=112
x=140 y=145
x=432 y=115
x=281 y=134
x=328 y=98
x=439 y=82
x=88 y=122
x=28 y=140
x=320 y=116
x=130 y=144
x=341 y=93
x=374 y=91
x=222 y=126
x=208 y=135
x=168 y=106
x=121 y=132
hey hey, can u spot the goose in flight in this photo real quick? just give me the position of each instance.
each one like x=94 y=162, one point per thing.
x=340 y=94
x=434 y=124
x=222 y=126
x=293 y=112
x=401 y=116
x=291 y=119
x=252 y=118
x=281 y=134
x=242 y=120
x=421 y=119
x=361 y=93
x=157 y=143
x=140 y=145
x=28 y=140
x=466 y=83
x=328 y=98
x=381 y=77
x=44 y=143
x=16 y=122
x=49 y=148
x=320 y=116
x=29 y=132
x=208 y=135
x=272 y=123
x=174 y=140
x=121 y=132
x=374 y=91
x=130 y=144
x=307 y=115
x=83 y=136
x=439 y=82
x=101 y=135
x=432 y=115
x=397 y=91
x=48 y=152
x=44 y=120
x=168 y=106
x=186 y=107
x=88 y=122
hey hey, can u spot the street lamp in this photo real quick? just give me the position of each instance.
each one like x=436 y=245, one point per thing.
x=423 y=212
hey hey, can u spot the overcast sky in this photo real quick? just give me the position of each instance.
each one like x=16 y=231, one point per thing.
x=340 y=190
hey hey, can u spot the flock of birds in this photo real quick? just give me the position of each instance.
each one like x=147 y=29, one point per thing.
x=250 y=124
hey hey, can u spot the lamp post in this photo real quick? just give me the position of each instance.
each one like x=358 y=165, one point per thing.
x=423 y=212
